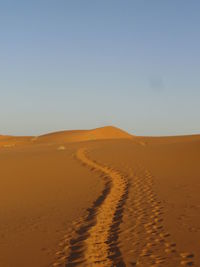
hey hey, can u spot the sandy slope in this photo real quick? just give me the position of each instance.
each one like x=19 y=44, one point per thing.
x=99 y=198
x=107 y=132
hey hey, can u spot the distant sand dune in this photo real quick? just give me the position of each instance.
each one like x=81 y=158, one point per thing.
x=108 y=132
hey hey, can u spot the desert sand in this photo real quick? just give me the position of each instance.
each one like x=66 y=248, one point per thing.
x=99 y=197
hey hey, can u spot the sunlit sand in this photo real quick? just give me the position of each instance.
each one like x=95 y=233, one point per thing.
x=99 y=197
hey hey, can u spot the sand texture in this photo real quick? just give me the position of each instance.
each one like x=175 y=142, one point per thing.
x=99 y=197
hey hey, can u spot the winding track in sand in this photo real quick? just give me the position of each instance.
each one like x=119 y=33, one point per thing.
x=97 y=240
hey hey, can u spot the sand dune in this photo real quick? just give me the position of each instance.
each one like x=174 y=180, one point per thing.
x=11 y=141
x=108 y=132
x=99 y=198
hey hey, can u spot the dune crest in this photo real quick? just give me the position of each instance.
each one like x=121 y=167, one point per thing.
x=107 y=132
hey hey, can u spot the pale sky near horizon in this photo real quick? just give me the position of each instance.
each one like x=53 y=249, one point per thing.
x=84 y=64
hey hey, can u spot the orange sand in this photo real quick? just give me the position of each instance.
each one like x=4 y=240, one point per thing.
x=99 y=198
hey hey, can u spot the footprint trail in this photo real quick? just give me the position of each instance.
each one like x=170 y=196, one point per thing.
x=125 y=225
x=149 y=243
x=96 y=243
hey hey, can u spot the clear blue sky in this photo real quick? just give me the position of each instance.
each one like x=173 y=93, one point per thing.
x=72 y=64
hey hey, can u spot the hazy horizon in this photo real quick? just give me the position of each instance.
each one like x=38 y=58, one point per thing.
x=86 y=64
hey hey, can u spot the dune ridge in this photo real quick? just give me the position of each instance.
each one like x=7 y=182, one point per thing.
x=71 y=136
x=108 y=132
x=101 y=133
